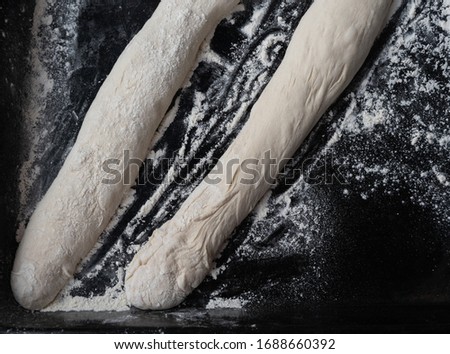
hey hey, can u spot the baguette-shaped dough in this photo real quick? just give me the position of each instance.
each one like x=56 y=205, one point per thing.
x=124 y=116
x=327 y=49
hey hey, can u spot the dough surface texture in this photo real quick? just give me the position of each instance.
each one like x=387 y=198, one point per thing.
x=123 y=117
x=327 y=49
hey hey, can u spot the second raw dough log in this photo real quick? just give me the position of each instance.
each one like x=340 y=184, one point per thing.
x=327 y=49
x=123 y=117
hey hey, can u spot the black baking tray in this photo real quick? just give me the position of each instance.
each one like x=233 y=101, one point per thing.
x=375 y=253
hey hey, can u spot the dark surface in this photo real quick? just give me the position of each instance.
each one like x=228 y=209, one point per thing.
x=372 y=260
x=376 y=318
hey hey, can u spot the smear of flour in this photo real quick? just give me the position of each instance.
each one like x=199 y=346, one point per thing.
x=253 y=25
x=113 y=299
x=47 y=81
x=220 y=303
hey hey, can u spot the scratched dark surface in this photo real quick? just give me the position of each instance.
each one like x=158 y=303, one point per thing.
x=366 y=252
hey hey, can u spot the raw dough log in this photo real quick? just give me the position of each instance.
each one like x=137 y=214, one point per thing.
x=327 y=49
x=124 y=116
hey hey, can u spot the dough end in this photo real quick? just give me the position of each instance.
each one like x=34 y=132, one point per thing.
x=149 y=289
x=26 y=290
x=164 y=272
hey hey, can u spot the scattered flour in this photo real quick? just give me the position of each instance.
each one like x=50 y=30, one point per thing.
x=217 y=271
x=255 y=22
x=113 y=299
x=220 y=303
